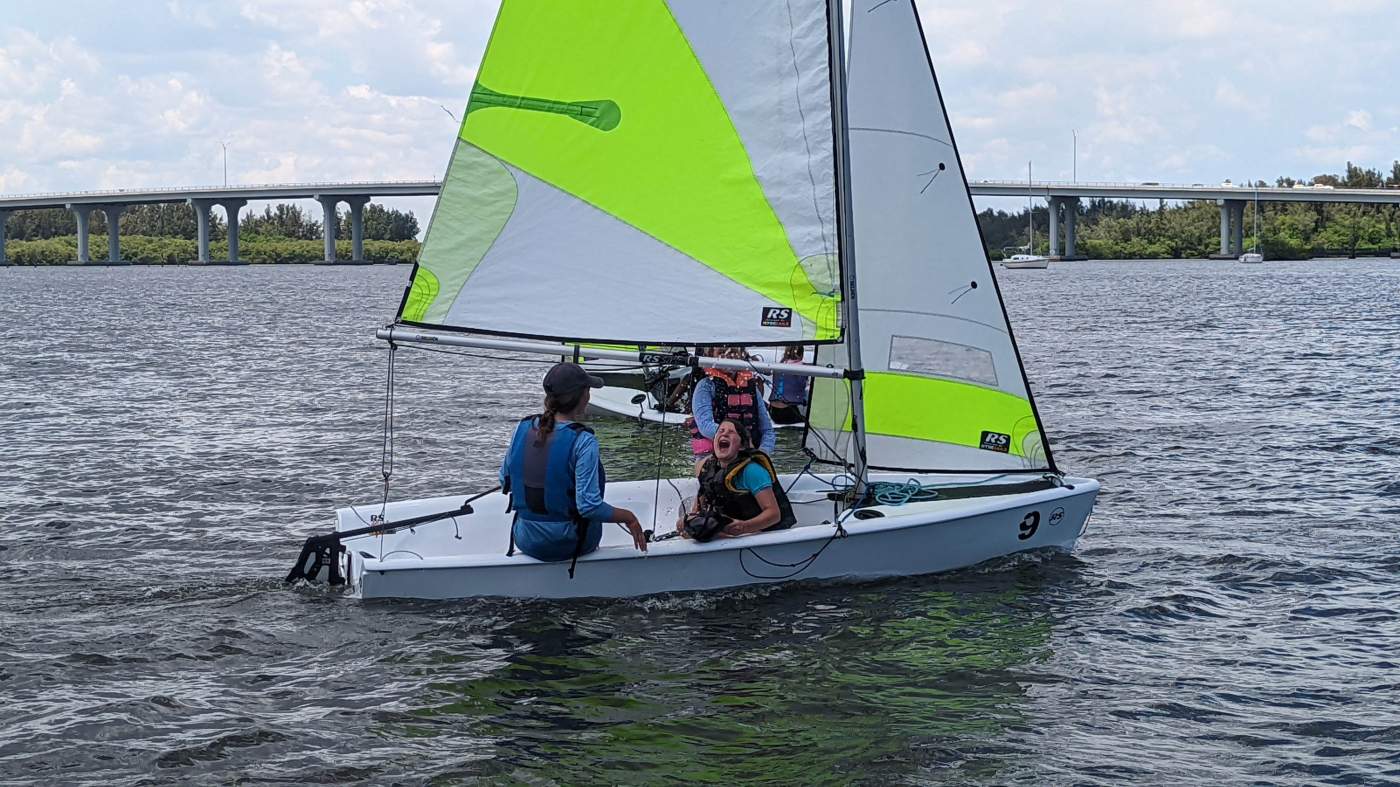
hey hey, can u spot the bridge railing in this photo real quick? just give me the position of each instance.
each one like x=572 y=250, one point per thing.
x=230 y=187
x=1109 y=184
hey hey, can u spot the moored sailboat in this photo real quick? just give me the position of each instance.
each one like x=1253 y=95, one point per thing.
x=1254 y=256
x=1028 y=260
x=715 y=149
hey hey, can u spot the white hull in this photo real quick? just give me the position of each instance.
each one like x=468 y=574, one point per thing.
x=616 y=400
x=1037 y=263
x=917 y=538
x=1251 y=257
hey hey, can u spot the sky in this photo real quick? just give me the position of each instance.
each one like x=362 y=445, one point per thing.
x=97 y=95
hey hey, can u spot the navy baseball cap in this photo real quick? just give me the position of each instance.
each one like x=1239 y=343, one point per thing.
x=566 y=378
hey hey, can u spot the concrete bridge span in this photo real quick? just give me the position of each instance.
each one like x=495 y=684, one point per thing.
x=232 y=198
x=1062 y=197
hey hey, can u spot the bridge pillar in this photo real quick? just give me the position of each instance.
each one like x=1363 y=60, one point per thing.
x=328 y=222
x=114 y=243
x=1071 y=221
x=1236 y=227
x=201 y=219
x=1224 y=229
x=4 y=217
x=357 y=228
x=232 y=208
x=1054 y=227
x=82 y=213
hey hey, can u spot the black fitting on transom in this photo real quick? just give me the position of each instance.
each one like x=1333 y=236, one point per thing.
x=854 y=374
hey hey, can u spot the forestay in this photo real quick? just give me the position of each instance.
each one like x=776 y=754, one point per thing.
x=944 y=387
x=641 y=172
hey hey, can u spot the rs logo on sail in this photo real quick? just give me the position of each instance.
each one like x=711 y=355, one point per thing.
x=776 y=317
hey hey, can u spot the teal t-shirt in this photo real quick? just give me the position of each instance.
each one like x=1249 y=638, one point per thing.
x=753 y=479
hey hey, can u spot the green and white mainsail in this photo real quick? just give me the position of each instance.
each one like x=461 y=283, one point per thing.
x=944 y=388
x=640 y=171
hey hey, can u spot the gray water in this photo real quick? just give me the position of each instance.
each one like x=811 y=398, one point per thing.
x=171 y=435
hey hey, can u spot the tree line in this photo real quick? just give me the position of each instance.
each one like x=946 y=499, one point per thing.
x=178 y=221
x=1115 y=229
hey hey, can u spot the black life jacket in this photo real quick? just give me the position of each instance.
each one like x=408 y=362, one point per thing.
x=720 y=493
x=736 y=403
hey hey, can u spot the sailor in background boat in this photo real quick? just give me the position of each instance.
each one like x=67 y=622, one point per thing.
x=725 y=394
x=555 y=477
x=789 y=391
x=739 y=492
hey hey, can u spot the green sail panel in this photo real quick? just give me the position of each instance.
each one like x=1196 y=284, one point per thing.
x=477 y=199
x=612 y=116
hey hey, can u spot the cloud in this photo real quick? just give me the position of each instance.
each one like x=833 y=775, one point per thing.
x=1196 y=19
x=1231 y=97
x=1359 y=119
x=350 y=89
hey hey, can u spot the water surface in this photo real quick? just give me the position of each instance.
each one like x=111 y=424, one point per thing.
x=171 y=434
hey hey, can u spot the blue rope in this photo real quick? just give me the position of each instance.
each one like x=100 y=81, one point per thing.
x=889 y=493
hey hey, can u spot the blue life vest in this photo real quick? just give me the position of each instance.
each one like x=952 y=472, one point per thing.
x=789 y=388
x=540 y=477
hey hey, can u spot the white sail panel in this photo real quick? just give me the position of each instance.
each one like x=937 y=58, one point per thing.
x=944 y=387
x=641 y=172
x=641 y=282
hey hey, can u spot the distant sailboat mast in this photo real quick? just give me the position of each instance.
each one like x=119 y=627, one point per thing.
x=1255 y=247
x=1030 y=211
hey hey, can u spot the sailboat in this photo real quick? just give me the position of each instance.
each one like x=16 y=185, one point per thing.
x=1028 y=260
x=700 y=173
x=1254 y=256
x=615 y=400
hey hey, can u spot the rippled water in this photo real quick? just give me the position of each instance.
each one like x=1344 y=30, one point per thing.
x=171 y=434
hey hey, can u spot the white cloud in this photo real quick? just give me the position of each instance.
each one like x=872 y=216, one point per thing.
x=342 y=89
x=1231 y=97
x=1196 y=19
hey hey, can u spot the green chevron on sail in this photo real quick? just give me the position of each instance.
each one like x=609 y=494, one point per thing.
x=603 y=115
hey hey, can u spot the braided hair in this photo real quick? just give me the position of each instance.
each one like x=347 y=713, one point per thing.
x=553 y=405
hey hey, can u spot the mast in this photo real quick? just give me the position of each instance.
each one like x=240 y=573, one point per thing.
x=1256 y=218
x=1030 y=209
x=846 y=244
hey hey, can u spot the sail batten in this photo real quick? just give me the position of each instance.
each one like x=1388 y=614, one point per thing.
x=641 y=172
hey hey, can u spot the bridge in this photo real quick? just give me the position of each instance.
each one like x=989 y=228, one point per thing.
x=232 y=198
x=1063 y=198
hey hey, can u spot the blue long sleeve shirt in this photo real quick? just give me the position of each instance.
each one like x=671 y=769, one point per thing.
x=702 y=407
x=587 y=494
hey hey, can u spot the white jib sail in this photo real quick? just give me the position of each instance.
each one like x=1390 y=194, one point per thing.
x=944 y=387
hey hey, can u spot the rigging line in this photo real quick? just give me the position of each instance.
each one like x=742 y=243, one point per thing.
x=386 y=458
x=665 y=372
x=799 y=566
